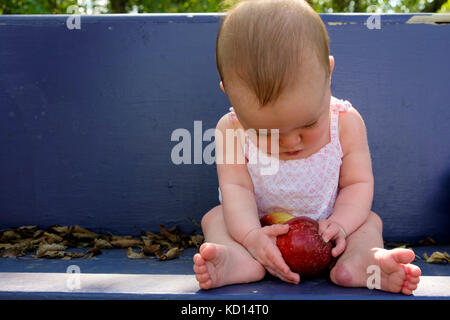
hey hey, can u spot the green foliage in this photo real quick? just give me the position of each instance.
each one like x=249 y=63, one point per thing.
x=445 y=8
x=178 y=6
x=35 y=6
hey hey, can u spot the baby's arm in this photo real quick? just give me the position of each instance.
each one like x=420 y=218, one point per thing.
x=239 y=206
x=238 y=201
x=356 y=182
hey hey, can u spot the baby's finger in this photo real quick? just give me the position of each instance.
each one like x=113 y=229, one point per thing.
x=323 y=224
x=278 y=262
x=291 y=279
x=339 y=248
x=271 y=271
x=276 y=229
x=331 y=231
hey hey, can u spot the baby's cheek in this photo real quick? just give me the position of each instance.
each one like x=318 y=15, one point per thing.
x=317 y=136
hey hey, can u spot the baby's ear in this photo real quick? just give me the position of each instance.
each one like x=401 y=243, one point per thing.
x=331 y=67
x=221 y=87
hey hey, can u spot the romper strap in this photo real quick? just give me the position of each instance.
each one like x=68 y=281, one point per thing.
x=337 y=105
x=232 y=114
x=232 y=118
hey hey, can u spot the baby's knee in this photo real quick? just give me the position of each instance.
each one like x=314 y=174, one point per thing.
x=210 y=216
x=376 y=220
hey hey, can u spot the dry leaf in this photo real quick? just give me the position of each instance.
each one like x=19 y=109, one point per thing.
x=78 y=229
x=170 y=254
x=60 y=230
x=52 y=238
x=151 y=249
x=124 y=243
x=147 y=241
x=116 y=238
x=92 y=252
x=38 y=233
x=27 y=231
x=197 y=240
x=84 y=236
x=10 y=235
x=167 y=234
x=52 y=242
x=53 y=255
x=102 y=244
x=173 y=253
x=44 y=248
x=69 y=255
x=134 y=255
x=426 y=242
x=437 y=257
x=11 y=252
x=153 y=236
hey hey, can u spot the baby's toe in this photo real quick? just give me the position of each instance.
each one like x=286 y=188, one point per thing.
x=410 y=286
x=200 y=268
x=406 y=291
x=206 y=285
x=202 y=277
x=413 y=280
x=396 y=282
x=412 y=271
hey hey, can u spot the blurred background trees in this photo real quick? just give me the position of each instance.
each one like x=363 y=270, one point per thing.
x=173 y=6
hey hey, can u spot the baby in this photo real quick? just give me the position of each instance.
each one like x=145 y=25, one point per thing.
x=274 y=63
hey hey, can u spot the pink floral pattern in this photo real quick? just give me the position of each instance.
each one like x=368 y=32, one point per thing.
x=302 y=187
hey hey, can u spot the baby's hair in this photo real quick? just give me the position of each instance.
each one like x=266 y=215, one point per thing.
x=263 y=42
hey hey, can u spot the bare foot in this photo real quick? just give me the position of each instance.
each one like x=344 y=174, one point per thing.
x=397 y=274
x=218 y=265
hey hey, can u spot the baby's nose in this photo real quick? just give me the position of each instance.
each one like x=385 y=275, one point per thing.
x=290 y=141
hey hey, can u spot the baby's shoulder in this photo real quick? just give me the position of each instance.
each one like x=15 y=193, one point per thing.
x=229 y=121
x=352 y=129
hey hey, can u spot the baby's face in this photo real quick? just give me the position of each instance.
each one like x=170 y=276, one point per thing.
x=301 y=116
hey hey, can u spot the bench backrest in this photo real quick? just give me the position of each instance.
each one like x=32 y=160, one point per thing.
x=87 y=117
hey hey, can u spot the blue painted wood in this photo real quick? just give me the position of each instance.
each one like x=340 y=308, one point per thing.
x=86 y=118
x=112 y=276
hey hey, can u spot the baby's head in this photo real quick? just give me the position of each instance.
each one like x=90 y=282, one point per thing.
x=273 y=60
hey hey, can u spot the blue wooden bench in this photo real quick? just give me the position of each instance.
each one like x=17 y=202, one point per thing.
x=86 y=118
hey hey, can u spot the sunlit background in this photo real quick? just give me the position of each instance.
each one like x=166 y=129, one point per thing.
x=174 y=6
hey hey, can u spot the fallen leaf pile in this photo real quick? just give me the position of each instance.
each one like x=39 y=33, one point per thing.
x=436 y=257
x=54 y=241
x=425 y=242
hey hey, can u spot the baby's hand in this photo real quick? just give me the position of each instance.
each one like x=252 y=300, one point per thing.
x=261 y=243
x=331 y=230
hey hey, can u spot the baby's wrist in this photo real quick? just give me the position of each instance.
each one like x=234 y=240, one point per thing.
x=341 y=228
x=246 y=239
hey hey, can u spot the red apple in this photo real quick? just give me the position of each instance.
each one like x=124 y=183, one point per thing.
x=303 y=249
x=275 y=217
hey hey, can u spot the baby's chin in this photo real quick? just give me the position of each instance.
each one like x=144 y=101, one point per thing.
x=285 y=156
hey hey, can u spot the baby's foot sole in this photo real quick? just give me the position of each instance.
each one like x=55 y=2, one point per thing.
x=217 y=265
x=395 y=272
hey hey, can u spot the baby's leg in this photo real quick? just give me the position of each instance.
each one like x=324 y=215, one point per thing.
x=365 y=248
x=223 y=261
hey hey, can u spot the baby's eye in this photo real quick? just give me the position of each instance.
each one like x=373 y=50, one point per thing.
x=310 y=125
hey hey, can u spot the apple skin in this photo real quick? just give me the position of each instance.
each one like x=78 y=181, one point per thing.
x=275 y=218
x=303 y=249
